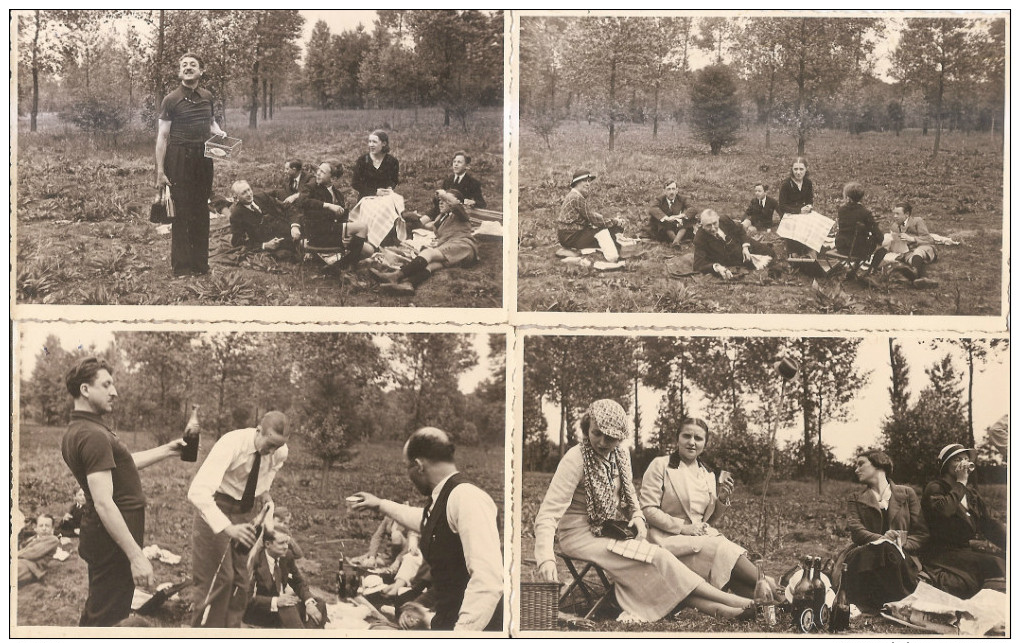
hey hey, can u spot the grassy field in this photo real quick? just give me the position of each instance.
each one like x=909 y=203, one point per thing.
x=88 y=201
x=321 y=523
x=803 y=523
x=959 y=194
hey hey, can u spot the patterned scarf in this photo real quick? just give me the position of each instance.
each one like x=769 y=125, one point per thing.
x=599 y=488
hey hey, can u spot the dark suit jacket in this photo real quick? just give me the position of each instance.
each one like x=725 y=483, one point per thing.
x=858 y=234
x=761 y=217
x=710 y=249
x=264 y=589
x=953 y=526
x=864 y=517
x=792 y=199
x=469 y=186
x=287 y=185
x=320 y=226
x=251 y=229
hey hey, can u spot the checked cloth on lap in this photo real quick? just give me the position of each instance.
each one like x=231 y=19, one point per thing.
x=811 y=229
x=380 y=214
x=640 y=550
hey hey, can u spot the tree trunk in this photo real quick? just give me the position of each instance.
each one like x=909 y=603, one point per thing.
x=821 y=452
x=157 y=76
x=938 y=111
x=272 y=98
x=655 y=112
x=446 y=116
x=637 y=416
x=801 y=72
x=970 y=393
x=265 y=99
x=253 y=114
x=612 y=104
x=35 y=72
x=563 y=424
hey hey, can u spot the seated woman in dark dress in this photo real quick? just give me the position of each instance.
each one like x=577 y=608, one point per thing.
x=378 y=172
x=796 y=196
x=887 y=531
x=957 y=517
x=858 y=235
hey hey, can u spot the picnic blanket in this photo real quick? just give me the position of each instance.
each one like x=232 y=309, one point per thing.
x=380 y=214
x=933 y=610
x=809 y=229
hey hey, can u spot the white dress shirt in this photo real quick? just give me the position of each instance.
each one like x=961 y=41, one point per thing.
x=226 y=470
x=471 y=514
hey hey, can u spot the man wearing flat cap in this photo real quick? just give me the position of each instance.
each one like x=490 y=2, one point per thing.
x=578 y=227
x=957 y=515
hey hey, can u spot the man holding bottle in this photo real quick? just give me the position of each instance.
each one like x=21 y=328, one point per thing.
x=239 y=469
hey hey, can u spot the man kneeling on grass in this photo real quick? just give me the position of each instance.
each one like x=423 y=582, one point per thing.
x=721 y=243
x=454 y=245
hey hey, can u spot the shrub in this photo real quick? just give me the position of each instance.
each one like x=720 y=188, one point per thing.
x=715 y=106
x=94 y=116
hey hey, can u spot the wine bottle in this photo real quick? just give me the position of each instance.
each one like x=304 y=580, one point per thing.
x=803 y=615
x=341 y=579
x=764 y=599
x=192 y=433
x=839 y=619
x=821 y=610
x=258 y=524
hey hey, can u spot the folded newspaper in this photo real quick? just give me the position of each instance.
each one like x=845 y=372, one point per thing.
x=933 y=610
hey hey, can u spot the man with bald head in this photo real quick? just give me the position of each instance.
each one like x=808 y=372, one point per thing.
x=721 y=243
x=257 y=223
x=239 y=469
x=459 y=535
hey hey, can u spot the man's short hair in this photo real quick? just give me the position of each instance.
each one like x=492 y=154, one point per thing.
x=337 y=170
x=201 y=65
x=279 y=529
x=84 y=372
x=41 y=516
x=295 y=164
x=907 y=208
x=430 y=443
x=276 y=422
x=467 y=159
x=236 y=187
x=854 y=191
x=669 y=182
x=708 y=214
x=764 y=186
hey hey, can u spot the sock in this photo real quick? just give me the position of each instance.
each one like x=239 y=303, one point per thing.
x=416 y=265
x=417 y=278
x=917 y=263
x=353 y=255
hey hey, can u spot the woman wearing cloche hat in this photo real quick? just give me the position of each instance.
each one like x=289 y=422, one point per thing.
x=579 y=227
x=591 y=501
x=956 y=515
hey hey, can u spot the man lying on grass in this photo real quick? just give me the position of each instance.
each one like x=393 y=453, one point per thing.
x=257 y=224
x=454 y=245
x=911 y=248
x=721 y=244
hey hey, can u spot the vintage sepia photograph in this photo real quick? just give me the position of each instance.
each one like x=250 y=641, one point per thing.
x=764 y=485
x=213 y=478
x=823 y=163
x=258 y=157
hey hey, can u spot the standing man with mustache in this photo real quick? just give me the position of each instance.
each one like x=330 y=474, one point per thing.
x=185 y=122
x=113 y=522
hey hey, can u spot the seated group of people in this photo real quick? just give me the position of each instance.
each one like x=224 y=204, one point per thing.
x=685 y=561
x=722 y=243
x=313 y=210
x=37 y=546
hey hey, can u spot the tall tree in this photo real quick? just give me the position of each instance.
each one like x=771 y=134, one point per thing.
x=36 y=48
x=976 y=353
x=715 y=107
x=317 y=65
x=933 y=53
x=264 y=33
x=431 y=365
x=231 y=359
x=899 y=394
x=759 y=58
x=663 y=65
x=713 y=32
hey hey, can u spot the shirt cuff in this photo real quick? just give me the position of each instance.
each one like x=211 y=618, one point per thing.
x=273 y=606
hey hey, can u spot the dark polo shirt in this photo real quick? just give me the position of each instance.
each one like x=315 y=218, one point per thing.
x=90 y=446
x=191 y=114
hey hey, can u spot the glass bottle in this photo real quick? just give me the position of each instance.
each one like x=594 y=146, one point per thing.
x=801 y=607
x=839 y=619
x=192 y=433
x=764 y=598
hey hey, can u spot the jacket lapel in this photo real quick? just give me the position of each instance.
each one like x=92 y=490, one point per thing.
x=679 y=486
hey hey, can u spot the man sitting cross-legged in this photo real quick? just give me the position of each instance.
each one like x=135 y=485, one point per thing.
x=721 y=243
x=257 y=223
x=281 y=597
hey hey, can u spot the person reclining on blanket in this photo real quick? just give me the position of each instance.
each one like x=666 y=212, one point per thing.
x=580 y=228
x=35 y=554
x=454 y=244
x=920 y=247
x=721 y=243
x=666 y=219
x=257 y=224
x=323 y=218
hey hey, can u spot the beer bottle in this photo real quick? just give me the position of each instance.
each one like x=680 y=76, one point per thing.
x=818 y=596
x=192 y=433
x=839 y=619
x=257 y=523
x=764 y=599
x=341 y=579
x=800 y=608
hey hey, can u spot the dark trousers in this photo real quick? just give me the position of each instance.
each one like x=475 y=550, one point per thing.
x=446 y=617
x=191 y=176
x=584 y=237
x=217 y=565
x=111 y=585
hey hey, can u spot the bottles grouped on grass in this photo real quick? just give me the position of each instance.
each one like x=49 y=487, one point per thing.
x=802 y=606
x=341 y=579
x=821 y=610
x=192 y=431
x=839 y=620
x=258 y=524
x=764 y=599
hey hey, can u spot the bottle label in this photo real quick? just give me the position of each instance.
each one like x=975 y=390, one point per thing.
x=805 y=621
x=767 y=614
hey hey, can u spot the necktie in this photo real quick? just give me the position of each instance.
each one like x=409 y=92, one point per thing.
x=425 y=515
x=248 y=498
x=457 y=180
x=278 y=577
x=295 y=185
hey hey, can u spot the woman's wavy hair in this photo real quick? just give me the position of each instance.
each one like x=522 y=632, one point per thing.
x=674 y=457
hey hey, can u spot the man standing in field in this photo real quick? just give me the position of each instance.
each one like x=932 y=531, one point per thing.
x=113 y=523
x=185 y=122
x=459 y=535
x=240 y=467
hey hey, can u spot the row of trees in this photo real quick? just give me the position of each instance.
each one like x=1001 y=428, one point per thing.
x=799 y=73
x=125 y=61
x=339 y=388
x=744 y=399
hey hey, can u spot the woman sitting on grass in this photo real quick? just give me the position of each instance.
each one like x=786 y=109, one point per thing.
x=858 y=235
x=378 y=172
x=454 y=245
x=592 y=486
x=887 y=531
x=580 y=228
x=681 y=499
x=797 y=196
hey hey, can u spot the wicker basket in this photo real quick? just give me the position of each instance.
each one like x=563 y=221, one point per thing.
x=539 y=605
x=222 y=147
